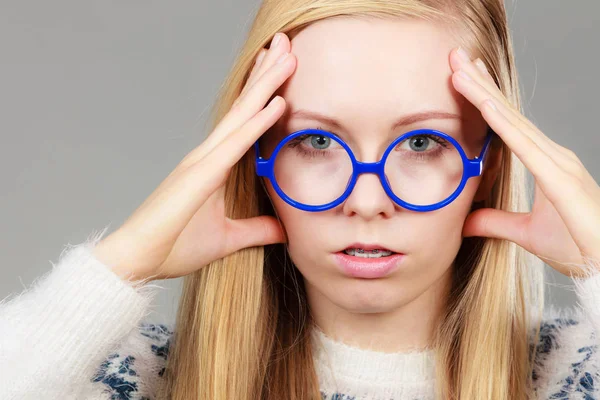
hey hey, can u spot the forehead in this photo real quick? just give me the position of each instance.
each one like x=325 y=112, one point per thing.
x=368 y=72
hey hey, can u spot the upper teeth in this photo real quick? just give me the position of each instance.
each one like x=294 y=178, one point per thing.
x=367 y=253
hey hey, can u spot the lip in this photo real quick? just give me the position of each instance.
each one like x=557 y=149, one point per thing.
x=369 y=268
x=365 y=246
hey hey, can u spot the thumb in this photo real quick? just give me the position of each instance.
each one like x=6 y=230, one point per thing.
x=256 y=231
x=498 y=224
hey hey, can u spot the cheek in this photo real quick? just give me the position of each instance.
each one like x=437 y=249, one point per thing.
x=463 y=203
x=452 y=217
x=306 y=244
x=295 y=222
x=438 y=235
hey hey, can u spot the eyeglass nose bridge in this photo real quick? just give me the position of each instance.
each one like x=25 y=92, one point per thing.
x=368 y=168
x=377 y=168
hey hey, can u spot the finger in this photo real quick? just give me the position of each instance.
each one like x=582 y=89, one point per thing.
x=186 y=190
x=258 y=68
x=477 y=94
x=233 y=147
x=277 y=75
x=279 y=45
x=251 y=232
x=252 y=103
x=483 y=69
x=572 y=198
x=498 y=224
x=460 y=60
x=478 y=72
x=259 y=59
x=553 y=180
x=256 y=98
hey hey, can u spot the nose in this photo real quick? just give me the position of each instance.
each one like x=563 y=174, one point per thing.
x=368 y=198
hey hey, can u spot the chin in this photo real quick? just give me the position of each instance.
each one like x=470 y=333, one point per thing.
x=368 y=296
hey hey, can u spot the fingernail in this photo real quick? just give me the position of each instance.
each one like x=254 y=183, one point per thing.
x=282 y=58
x=481 y=66
x=275 y=40
x=464 y=75
x=463 y=54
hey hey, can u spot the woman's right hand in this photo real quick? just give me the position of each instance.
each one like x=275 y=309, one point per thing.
x=181 y=227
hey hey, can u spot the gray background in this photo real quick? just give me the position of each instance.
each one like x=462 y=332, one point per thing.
x=99 y=101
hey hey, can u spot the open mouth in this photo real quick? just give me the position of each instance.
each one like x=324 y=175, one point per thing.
x=368 y=261
x=374 y=253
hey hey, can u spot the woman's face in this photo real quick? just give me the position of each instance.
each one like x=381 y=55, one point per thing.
x=367 y=74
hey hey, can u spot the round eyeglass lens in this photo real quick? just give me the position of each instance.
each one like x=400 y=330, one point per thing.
x=313 y=169
x=424 y=169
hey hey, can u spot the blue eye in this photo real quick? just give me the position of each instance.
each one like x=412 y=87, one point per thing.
x=313 y=144
x=419 y=143
x=320 y=142
x=312 y=141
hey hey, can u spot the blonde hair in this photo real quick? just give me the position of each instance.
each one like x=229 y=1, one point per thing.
x=243 y=323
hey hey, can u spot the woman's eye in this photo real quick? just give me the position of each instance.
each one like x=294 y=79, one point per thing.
x=319 y=142
x=419 y=143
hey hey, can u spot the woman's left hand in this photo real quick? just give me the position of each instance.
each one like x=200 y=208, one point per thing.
x=563 y=227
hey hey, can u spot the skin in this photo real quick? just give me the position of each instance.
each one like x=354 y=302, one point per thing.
x=367 y=74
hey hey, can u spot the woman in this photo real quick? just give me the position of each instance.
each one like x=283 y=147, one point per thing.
x=413 y=284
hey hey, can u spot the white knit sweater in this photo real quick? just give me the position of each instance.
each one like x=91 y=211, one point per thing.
x=80 y=332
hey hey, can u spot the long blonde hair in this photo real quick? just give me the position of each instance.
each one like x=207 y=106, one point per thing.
x=243 y=323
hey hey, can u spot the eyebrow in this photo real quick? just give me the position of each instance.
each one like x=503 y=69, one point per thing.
x=404 y=120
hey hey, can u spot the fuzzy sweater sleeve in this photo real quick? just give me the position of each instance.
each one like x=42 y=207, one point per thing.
x=588 y=292
x=567 y=363
x=55 y=335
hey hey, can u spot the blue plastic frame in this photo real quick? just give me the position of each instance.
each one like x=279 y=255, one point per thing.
x=472 y=168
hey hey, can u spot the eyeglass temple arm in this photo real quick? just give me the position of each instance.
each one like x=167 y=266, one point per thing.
x=261 y=165
x=486 y=146
x=256 y=150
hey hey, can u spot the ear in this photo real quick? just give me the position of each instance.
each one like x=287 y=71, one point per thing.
x=490 y=172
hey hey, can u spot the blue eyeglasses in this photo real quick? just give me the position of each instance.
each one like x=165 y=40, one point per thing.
x=421 y=170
